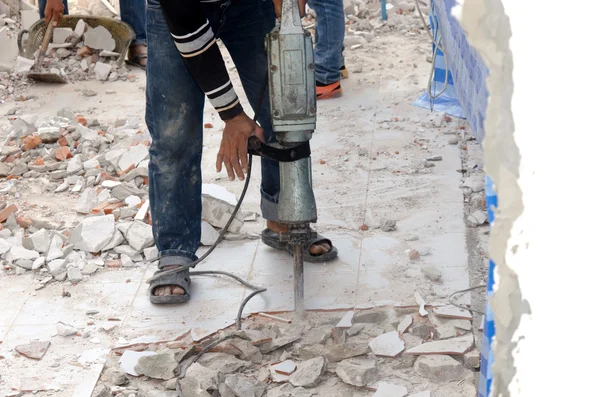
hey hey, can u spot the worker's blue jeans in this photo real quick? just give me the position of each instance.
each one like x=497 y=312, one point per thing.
x=330 y=30
x=174 y=110
x=133 y=12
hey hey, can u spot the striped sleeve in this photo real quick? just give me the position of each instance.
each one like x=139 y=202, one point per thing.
x=197 y=44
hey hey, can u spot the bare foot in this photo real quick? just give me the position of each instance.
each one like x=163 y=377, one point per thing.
x=166 y=290
x=315 y=249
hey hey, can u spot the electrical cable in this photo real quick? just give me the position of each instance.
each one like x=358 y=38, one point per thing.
x=438 y=46
x=257 y=290
x=462 y=291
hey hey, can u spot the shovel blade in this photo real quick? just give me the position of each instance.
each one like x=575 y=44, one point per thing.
x=52 y=78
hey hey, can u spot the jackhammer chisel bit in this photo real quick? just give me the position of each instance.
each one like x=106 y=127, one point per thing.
x=294 y=117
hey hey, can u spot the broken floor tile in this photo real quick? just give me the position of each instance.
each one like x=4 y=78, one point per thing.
x=404 y=324
x=285 y=368
x=346 y=321
x=421 y=303
x=387 y=345
x=451 y=311
x=449 y=346
x=390 y=390
x=35 y=349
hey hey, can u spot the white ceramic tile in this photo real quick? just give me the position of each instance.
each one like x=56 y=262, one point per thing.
x=18 y=289
x=376 y=287
x=50 y=307
x=383 y=252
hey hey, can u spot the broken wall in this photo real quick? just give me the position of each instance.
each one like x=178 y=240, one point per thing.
x=540 y=149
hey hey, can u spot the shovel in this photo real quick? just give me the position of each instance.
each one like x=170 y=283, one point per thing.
x=36 y=74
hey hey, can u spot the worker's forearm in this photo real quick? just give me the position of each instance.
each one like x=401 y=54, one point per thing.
x=196 y=42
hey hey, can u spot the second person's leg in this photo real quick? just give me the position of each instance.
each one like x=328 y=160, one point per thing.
x=330 y=30
x=133 y=12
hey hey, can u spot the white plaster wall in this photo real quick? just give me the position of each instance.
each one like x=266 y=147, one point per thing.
x=542 y=149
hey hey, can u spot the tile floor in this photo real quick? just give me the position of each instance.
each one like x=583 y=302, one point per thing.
x=372 y=268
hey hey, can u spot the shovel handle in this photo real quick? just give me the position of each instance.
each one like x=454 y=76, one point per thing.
x=45 y=42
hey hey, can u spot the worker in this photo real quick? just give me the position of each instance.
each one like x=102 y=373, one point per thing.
x=185 y=66
x=133 y=12
x=329 y=38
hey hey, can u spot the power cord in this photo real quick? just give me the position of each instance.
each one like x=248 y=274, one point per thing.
x=256 y=290
x=438 y=46
x=462 y=291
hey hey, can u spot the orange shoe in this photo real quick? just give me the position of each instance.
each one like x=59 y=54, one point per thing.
x=333 y=90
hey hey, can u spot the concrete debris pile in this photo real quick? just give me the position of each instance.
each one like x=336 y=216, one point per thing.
x=383 y=352
x=103 y=169
x=364 y=18
x=81 y=53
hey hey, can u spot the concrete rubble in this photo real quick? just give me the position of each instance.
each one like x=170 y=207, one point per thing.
x=73 y=156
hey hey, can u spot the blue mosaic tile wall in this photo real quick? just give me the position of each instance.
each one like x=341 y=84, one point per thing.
x=468 y=69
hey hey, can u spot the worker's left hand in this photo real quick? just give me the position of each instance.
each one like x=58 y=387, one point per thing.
x=301 y=4
x=234 y=145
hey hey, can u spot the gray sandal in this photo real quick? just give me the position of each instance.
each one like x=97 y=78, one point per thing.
x=271 y=239
x=179 y=279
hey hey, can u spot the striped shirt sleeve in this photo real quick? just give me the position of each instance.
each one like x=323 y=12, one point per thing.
x=197 y=44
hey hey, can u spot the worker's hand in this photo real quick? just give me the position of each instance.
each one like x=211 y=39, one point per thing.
x=234 y=145
x=301 y=4
x=54 y=11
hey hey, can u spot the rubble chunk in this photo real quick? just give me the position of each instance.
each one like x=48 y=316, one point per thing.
x=74 y=274
x=421 y=303
x=432 y=273
x=23 y=65
x=209 y=234
x=139 y=235
x=55 y=248
x=17 y=252
x=60 y=35
x=87 y=201
x=93 y=233
x=56 y=267
x=159 y=366
x=198 y=378
x=244 y=387
x=477 y=218
x=223 y=363
x=309 y=373
x=439 y=368
x=133 y=157
x=99 y=38
x=35 y=349
x=63 y=329
x=102 y=71
x=357 y=371
x=387 y=345
x=130 y=358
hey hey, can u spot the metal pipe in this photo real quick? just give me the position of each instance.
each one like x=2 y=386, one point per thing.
x=299 y=280
x=383 y=10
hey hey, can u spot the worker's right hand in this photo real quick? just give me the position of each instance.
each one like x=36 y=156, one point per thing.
x=234 y=145
x=301 y=4
x=54 y=11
